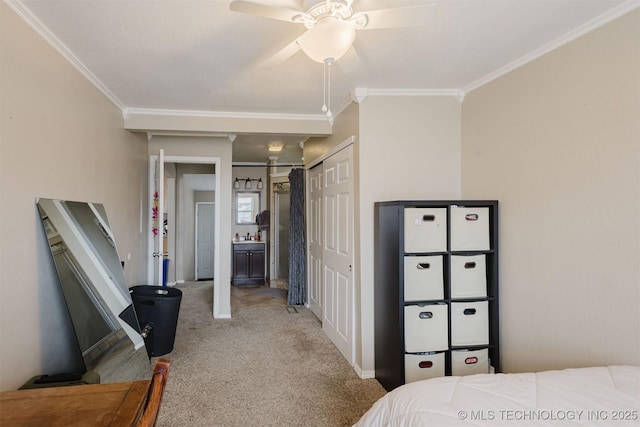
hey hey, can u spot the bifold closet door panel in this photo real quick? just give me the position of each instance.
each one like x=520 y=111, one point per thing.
x=468 y=276
x=469 y=362
x=425 y=230
x=423 y=278
x=470 y=229
x=469 y=323
x=425 y=328
x=419 y=367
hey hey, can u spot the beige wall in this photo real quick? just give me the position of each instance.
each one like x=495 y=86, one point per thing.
x=345 y=125
x=409 y=149
x=59 y=138
x=405 y=148
x=253 y=173
x=558 y=143
x=207 y=147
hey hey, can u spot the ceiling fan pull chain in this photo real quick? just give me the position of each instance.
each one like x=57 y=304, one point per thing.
x=328 y=62
x=324 y=88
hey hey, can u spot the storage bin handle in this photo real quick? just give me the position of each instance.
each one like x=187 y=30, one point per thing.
x=469 y=311
x=471 y=360
x=471 y=217
x=425 y=364
x=469 y=265
x=423 y=265
x=425 y=315
x=428 y=218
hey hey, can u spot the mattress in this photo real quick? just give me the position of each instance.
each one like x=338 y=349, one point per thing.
x=597 y=396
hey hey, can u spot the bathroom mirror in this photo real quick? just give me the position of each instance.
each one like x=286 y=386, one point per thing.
x=92 y=279
x=247 y=207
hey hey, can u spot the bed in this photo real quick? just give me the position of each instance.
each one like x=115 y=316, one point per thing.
x=598 y=396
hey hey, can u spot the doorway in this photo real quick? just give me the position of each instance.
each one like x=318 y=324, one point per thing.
x=156 y=203
x=282 y=198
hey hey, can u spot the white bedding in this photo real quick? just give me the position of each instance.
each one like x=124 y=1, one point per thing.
x=599 y=396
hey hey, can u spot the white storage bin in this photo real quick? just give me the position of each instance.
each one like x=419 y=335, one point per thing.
x=469 y=228
x=425 y=328
x=469 y=323
x=425 y=230
x=423 y=278
x=469 y=362
x=419 y=367
x=468 y=276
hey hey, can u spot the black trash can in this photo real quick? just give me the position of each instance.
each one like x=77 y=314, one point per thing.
x=158 y=306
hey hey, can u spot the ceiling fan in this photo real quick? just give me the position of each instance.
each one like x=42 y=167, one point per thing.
x=331 y=29
x=331 y=25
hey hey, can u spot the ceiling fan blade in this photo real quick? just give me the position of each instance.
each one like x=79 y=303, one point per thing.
x=350 y=62
x=411 y=16
x=282 y=55
x=273 y=12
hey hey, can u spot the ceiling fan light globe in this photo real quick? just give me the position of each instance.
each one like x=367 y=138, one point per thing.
x=329 y=38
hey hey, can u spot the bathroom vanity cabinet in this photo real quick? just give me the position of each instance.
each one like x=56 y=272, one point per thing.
x=248 y=263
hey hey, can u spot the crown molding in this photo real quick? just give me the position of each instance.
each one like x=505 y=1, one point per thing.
x=359 y=94
x=206 y=123
x=414 y=92
x=595 y=23
x=22 y=11
x=222 y=114
x=232 y=137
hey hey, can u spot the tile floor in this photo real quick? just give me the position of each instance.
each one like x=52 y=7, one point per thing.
x=257 y=296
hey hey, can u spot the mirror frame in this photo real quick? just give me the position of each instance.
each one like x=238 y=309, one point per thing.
x=93 y=284
x=255 y=208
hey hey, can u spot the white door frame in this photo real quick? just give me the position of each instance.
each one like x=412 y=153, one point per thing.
x=216 y=161
x=314 y=239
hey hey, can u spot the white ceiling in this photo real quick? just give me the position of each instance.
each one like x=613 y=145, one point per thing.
x=197 y=55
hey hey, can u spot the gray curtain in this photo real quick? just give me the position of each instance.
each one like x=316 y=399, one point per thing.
x=297 y=251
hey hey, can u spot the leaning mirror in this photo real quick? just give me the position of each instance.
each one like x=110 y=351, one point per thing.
x=247 y=207
x=92 y=279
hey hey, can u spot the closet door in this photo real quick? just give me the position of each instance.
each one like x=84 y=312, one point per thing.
x=314 y=215
x=337 y=256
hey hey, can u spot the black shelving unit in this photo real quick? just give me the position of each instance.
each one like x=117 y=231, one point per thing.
x=436 y=289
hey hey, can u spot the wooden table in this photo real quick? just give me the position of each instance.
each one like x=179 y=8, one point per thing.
x=134 y=403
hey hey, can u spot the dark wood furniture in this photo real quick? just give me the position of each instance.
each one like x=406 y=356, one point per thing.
x=249 y=263
x=134 y=403
x=436 y=289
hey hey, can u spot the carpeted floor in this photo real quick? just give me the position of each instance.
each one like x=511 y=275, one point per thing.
x=266 y=366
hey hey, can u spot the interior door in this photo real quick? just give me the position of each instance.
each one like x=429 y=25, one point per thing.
x=205 y=236
x=156 y=194
x=314 y=232
x=337 y=276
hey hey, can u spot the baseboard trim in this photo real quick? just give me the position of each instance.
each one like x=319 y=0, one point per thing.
x=365 y=375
